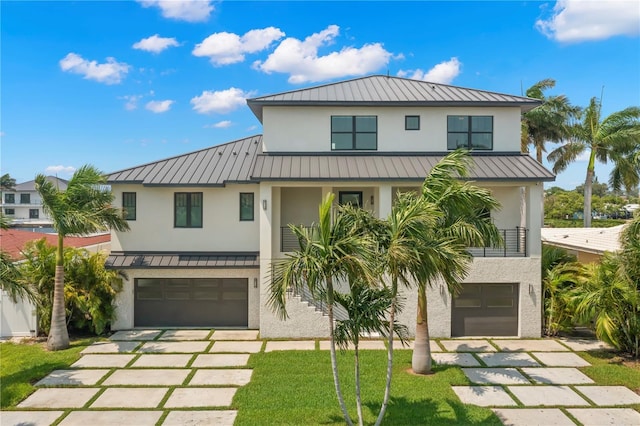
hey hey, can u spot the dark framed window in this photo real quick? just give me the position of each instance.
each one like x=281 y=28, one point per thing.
x=412 y=122
x=34 y=214
x=354 y=132
x=25 y=198
x=129 y=205
x=10 y=198
x=470 y=132
x=350 y=197
x=246 y=206
x=188 y=209
x=9 y=211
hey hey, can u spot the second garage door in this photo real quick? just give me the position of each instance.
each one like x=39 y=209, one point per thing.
x=191 y=302
x=485 y=310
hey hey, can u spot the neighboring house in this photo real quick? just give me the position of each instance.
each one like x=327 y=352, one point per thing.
x=206 y=225
x=22 y=205
x=587 y=244
x=19 y=319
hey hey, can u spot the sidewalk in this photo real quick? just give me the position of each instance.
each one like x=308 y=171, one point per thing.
x=178 y=377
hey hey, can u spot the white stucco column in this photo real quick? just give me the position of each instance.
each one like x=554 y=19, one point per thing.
x=385 y=199
x=266 y=245
x=534 y=214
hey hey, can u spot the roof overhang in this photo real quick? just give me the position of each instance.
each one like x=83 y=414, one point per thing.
x=179 y=260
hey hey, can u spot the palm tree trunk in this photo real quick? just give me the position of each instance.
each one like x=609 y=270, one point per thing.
x=58 y=335
x=539 y=152
x=334 y=360
x=392 y=314
x=588 y=185
x=357 y=372
x=421 y=357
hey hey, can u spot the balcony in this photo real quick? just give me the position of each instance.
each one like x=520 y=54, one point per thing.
x=515 y=243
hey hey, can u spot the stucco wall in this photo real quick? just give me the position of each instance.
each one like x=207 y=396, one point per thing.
x=283 y=127
x=124 y=302
x=222 y=229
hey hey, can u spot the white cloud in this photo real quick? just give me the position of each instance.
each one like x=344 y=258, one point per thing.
x=582 y=20
x=60 y=170
x=111 y=72
x=182 y=10
x=155 y=43
x=220 y=102
x=131 y=101
x=300 y=58
x=228 y=48
x=159 y=106
x=443 y=73
x=220 y=125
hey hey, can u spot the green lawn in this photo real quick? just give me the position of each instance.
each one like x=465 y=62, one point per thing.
x=293 y=388
x=25 y=363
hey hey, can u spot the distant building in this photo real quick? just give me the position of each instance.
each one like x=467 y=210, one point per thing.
x=587 y=244
x=22 y=205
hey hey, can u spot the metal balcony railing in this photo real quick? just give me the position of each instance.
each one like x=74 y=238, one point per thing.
x=515 y=243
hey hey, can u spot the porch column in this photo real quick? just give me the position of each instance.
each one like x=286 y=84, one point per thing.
x=535 y=213
x=266 y=247
x=385 y=196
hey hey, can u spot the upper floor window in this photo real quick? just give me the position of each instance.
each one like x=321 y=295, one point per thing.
x=354 y=132
x=246 y=206
x=470 y=132
x=188 y=210
x=412 y=122
x=129 y=205
x=10 y=198
x=25 y=198
x=34 y=214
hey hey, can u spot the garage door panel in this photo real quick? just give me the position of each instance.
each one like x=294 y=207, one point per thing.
x=485 y=310
x=178 y=302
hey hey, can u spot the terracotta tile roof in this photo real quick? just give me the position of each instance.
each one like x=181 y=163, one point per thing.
x=13 y=240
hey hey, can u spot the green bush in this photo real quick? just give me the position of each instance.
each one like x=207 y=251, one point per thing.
x=89 y=288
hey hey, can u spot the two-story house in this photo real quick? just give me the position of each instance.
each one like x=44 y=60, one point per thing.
x=206 y=225
x=23 y=205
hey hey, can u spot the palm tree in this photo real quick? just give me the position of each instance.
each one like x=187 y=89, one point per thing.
x=83 y=208
x=464 y=221
x=7 y=183
x=547 y=123
x=10 y=278
x=333 y=250
x=613 y=138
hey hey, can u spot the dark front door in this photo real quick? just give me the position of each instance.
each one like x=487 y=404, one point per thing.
x=191 y=302
x=485 y=310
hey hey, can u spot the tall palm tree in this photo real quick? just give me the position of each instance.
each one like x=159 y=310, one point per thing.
x=10 y=279
x=334 y=250
x=83 y=208
x=463 y=222
x=615 y=137
x=547 y=123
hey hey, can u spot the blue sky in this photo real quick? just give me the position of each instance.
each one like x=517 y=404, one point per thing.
x=122 y=83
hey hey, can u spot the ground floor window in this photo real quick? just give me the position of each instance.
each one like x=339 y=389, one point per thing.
x=34 y=213
x=485 y=310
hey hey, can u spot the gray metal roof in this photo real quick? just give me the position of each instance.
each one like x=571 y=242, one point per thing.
x=124 y=260
x=30 y=185
x=391 y=167
x=380 y=90
x=215 y=166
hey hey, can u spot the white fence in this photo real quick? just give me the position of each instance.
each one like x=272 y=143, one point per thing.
x=17 y=319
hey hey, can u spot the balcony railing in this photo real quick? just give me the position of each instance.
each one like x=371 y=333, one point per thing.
x=515 y=243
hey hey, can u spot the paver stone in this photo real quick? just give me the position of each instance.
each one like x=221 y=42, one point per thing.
x=110 y=347
x=471 y=345
x=495 y=376
x=246 y=347
x=110 y=360
x=609 y=395
x=532 y=396
x=529 y=345
x=583 y=345
x=29 y=418
x=461 y=359
x=229 y=377
x=59 y=398
x=220 y=360
x=289 y=345
x=560 y=359
x=130 y=398
x=484 y=396
x=200 y=397
x=185 y=335
x=235 y=335
x=111 y=418
x=174 y=347
x=183 y=417
x=533 y=416
x=606 y=416
x=557 y=375
x=72 y=377
x=508 y=359
x=147 y=377
x=135 y=335
x=164 y=360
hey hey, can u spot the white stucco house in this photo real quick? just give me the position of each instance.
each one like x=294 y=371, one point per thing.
x=206 y=225
x=23 y=205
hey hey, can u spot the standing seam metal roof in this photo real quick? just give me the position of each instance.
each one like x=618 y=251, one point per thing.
x=381 y=90
x=215 y=166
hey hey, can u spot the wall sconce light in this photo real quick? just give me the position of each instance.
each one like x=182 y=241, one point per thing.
x=531 y=289
x=264 y=204
x=255 y=283
x=372 y=200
